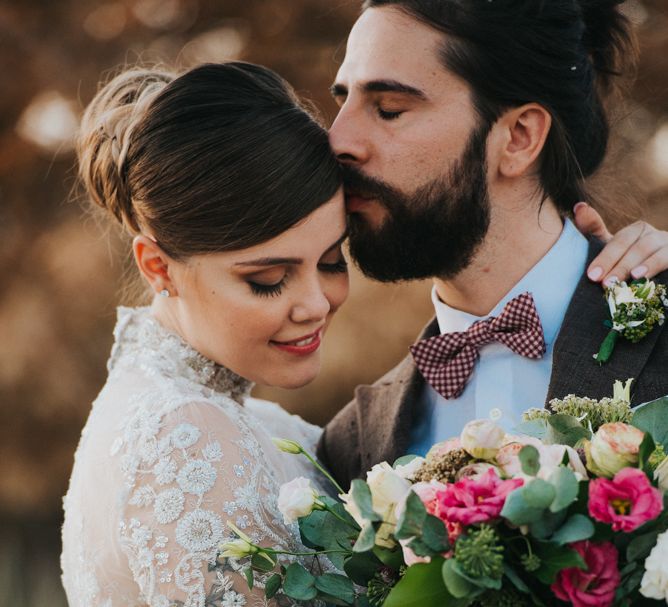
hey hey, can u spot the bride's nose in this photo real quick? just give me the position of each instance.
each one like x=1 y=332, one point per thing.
x=311 y=303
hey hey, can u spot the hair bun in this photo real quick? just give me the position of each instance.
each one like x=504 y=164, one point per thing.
x=607 y=37
x=105 y=137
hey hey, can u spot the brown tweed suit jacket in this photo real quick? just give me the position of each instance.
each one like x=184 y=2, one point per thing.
x=375 y=426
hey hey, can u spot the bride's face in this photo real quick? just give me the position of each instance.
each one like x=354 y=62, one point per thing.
x=262 y=311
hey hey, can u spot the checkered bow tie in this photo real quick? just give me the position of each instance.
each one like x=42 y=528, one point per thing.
x=446 y=361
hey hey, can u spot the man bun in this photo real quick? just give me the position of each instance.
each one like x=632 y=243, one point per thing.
x=607 y=38
x=105 y=137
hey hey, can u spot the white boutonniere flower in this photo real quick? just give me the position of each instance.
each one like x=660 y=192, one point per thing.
x=635 y=309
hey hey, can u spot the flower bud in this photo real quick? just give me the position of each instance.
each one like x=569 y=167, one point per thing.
x=622 y=391
x=288 y=446
x=482 y=438
x=296 y=499
x=613 y=447
x=237 y=549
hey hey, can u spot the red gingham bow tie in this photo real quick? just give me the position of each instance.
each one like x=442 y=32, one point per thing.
x=446 y=361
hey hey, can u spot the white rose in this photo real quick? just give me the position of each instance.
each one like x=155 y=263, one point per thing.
x=654 y=584
x=552 y=456
x=409 y=470
x=613 y=447
x=388 y=488
x=482 y=438
x=624 y=294
x=296 y=499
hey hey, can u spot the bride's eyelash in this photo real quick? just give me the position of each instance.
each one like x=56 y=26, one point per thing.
x=266 y=290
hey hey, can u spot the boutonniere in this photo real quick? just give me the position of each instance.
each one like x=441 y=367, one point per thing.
x=634 y=310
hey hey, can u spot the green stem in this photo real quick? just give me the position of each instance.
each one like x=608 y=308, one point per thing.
x=608 y=345
x=319 y=467
x=314 y=553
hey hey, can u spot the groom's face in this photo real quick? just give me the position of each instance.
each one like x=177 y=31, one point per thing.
x=413 y=151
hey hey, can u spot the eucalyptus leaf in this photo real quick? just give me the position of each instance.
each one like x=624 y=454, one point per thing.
x=565 y=430
x=652 y=417
x=248 y=573
x=366 y=538
x=530 y=460
x=403 y=460
x=547 y=524
x=458 y=585
x=361 y=567
x=578 y=527
x=361 y=495
x=335 y=585
x=273 y=585
x=299 y=584
x=566 y=486
x=263 y=562
x=412 y=518
x=518 y=511
x=539 y=494
x=535 y=427
x=647 y=447
x=434 y=534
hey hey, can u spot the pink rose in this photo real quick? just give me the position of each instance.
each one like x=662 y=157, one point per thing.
x=595 y=586
x=627 y=501
x=474 y=500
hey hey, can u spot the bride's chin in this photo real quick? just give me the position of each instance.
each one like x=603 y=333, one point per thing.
x=294 y=378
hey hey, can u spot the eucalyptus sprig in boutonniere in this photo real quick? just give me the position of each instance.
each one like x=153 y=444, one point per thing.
x=634 y=310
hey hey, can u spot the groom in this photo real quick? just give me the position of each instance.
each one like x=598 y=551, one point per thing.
x=465 y=131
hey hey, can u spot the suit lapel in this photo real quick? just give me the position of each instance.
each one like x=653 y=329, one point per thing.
x=574 y=370
x=386 y=410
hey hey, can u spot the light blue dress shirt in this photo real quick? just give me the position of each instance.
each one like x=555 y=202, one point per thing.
x=503 y=384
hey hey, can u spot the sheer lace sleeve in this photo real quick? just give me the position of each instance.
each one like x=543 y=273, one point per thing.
x=189 y=471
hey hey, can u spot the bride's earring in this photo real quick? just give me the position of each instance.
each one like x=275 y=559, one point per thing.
x=164 y=293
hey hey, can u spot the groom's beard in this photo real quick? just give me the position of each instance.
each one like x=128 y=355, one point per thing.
x=433 y=232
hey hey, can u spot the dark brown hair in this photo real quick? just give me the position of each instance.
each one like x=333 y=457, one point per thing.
x=223 y=157
x=561 y=54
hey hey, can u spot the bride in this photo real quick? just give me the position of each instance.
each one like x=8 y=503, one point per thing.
x=233 y=198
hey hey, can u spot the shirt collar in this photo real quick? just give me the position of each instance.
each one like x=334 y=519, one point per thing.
x=552 y=283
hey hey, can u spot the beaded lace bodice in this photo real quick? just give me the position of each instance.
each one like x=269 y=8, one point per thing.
x=173 y=448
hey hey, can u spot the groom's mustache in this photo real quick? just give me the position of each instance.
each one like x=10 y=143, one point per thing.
x=356 y=183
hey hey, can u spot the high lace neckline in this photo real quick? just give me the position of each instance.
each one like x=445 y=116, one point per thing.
x=139 y=334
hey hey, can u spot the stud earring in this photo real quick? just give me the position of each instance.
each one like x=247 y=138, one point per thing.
x=164 y=293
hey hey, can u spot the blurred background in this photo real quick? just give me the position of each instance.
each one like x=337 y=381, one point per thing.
x=62 y=273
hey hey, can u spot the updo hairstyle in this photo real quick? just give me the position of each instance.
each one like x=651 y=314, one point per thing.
x=220 y=158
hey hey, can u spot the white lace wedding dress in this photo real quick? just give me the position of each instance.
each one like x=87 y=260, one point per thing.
x=173 y=448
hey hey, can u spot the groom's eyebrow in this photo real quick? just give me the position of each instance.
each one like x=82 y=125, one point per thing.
x=288 y=261
x=380 y=86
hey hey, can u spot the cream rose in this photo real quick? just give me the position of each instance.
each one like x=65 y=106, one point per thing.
x=296 y=499
x=482 y=438
x=613 y=447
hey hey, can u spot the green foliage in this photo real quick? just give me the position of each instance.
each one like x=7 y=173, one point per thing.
x=412 y=518
x=578 y=527
x=273 y=585
x=366 y=539
x=566 y=486
x=299 y=584
x=360 y=567
x=554 y=558
x=530 y=460
x=565 y=430
x=335 y=586
x=263 y=561
x=423 y=586
x=361 y=496
x=652 y=417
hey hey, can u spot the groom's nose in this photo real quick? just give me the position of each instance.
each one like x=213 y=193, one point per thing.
x=348 y=136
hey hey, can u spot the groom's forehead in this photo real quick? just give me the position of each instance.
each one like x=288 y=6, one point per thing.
x=389 y=44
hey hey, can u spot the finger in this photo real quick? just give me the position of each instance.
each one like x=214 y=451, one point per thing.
x=634 y=258
x=653 y=265
x=588 y=221
x=600 y=268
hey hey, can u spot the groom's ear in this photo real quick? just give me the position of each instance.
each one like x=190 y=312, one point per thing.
x=523 y=134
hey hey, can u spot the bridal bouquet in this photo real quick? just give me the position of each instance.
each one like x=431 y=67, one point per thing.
x=567 y=510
